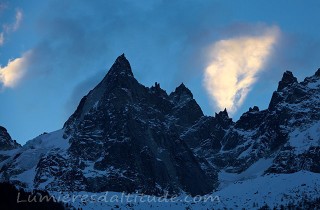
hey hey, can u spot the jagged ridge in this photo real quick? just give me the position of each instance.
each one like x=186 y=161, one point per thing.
x=124 y=136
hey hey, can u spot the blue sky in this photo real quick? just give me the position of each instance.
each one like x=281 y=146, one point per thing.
x=53 y=52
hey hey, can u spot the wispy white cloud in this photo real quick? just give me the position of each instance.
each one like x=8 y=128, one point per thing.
x=1 y=38
x=9 y=28
x=13 y=72
x=233 y=66
x=19 y=16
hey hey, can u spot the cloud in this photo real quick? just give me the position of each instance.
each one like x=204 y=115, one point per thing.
x=11 y=74
x=18 y=20
x=1 y=38
x=9 y=28
x=233 y=66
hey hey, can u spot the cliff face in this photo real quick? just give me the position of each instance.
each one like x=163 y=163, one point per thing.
x=124 y=137
x=6 y=142
x=7 y=145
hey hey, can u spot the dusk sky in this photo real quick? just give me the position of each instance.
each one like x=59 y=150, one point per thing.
x=228 y=53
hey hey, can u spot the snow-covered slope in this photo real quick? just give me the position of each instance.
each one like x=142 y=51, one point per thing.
x=21 y=167
x=253 y=193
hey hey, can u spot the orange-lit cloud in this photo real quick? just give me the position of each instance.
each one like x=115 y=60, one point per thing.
x=11 y=74
x=233 y=67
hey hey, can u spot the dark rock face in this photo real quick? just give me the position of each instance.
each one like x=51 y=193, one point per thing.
x=186 y=111
x=317 y=73
x=130 y=134
x=236 y=146
x=6 y=142
x=287 y=161
x=287 y=80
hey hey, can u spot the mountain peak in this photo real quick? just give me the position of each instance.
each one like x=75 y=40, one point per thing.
x=6 y=142
x=223 y=118
x=254 y=109
x=181 y=94
x=3 y=129
x=121 y=67
x=182 y=89
x=287 y=79
x=223 y=114
x=317 y=72
x=121 y=57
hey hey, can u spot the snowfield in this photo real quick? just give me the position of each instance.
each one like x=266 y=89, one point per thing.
x=252 y=193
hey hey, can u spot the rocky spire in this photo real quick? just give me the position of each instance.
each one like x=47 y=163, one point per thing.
x=287 y=79
x=317 y=72
x=254 y=109
x=223 y=118
x=121 y=67
x=6 y=142
x=119 y=76
x=183 y=89
x=223 y=114
x=181 y=93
